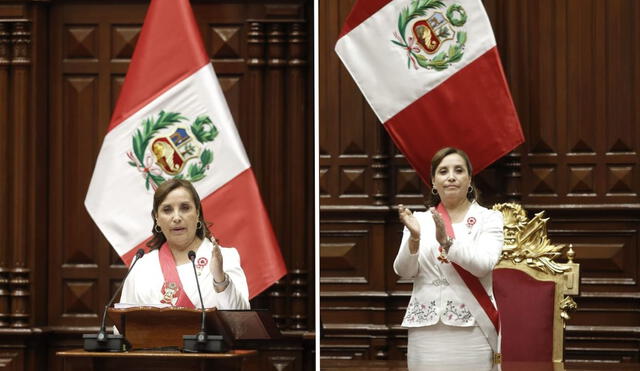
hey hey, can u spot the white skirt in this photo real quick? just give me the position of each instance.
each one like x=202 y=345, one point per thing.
x=443 y=347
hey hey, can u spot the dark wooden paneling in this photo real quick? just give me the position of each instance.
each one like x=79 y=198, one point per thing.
x=573 y=78
x=5 y=259
x=572 y=67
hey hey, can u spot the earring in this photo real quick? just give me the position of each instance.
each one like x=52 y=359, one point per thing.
x=434 y=191
x=157 y=228
x=470 y=189
x=198 y=225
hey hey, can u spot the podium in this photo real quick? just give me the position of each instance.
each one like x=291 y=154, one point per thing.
x=156 y=336
x=235 y=360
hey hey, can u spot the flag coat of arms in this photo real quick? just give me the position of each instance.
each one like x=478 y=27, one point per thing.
x=431 y=72
x=171 y=120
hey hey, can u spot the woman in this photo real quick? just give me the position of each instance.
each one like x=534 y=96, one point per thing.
x=165 y=275
x=449 y=251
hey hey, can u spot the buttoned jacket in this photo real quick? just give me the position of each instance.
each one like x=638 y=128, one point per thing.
x=144 y=286
x=476 y=247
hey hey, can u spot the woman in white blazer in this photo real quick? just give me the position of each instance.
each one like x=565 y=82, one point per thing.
x=165 y=276
x=449 y=251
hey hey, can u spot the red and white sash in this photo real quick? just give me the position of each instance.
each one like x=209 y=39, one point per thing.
x=172 y=287
x=471 y=292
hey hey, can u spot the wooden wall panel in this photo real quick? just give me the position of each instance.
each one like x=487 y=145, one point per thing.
x=572 y=67
x=87 y=50
x=350 y=155
x=581 y=136
x=5 y=258
x=345 y=256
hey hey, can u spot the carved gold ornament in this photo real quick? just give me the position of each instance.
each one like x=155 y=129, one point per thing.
x=526 y=240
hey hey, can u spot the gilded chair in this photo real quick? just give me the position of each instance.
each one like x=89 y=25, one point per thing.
x=532 y=289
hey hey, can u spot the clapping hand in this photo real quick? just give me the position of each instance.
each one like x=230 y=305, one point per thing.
x=409 y=220
x=441 y=230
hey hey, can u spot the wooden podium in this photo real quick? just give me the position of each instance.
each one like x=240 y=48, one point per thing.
x=161 y=360
x=155 y=335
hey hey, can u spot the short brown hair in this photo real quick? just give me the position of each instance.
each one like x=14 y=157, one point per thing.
x=433 y=200
x=161 y=193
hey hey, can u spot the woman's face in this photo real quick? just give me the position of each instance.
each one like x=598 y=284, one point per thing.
x=452 y=178
x=177 y=216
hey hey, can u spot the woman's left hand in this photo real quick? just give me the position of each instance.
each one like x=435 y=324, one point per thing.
x=441 y=230
x=216 y=263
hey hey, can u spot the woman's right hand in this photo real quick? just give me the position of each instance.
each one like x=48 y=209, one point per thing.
x=409 y=220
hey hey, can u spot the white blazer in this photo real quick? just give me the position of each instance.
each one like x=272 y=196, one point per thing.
x=477 y=247
x=144 y=284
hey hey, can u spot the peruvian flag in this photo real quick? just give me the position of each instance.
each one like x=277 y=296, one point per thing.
x=431 y=72
x=172 y=120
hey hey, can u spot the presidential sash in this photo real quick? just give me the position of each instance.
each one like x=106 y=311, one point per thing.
x=172 y=290
x=470 y=290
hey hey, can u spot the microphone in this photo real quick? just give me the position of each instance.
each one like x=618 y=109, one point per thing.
x=201 y=342
x=201 y=335
x=102 y=341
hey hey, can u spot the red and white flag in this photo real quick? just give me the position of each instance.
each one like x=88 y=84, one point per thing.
x=431 y=72
x=172 y=120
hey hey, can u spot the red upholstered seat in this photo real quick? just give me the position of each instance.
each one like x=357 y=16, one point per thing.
x=526 y=307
